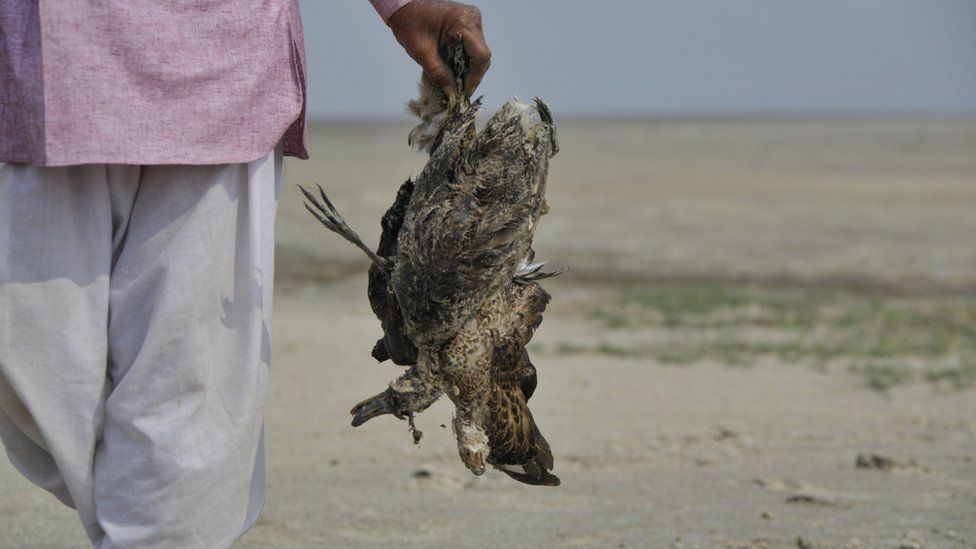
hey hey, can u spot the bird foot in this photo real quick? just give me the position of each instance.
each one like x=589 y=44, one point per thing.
x=323 y=210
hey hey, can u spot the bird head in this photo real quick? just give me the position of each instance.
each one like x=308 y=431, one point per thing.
x=472 y=445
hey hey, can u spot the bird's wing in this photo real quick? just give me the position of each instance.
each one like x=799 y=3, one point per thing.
x=517 y=445
x=526 y=304
x=394 y=345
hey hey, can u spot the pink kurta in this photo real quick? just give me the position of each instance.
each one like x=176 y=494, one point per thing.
x=148 y=82
x=144 y=82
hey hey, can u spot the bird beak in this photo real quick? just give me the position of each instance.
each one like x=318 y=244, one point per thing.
x=370 y=408
x=477 y=466
x=474 y=461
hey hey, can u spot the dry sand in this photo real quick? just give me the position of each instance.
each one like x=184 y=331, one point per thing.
x=651 y=453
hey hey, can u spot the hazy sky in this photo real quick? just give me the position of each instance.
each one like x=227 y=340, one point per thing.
x=622 y=57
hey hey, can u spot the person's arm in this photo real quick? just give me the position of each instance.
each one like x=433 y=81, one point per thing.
x=423 y=26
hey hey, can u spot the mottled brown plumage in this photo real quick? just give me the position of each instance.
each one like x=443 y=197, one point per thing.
x=453 y=283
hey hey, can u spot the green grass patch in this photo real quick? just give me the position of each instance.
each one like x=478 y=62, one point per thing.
x=738 y=324
x=882 y=377
x=960 y=377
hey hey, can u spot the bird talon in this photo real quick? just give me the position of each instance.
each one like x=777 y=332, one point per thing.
x=412 y=426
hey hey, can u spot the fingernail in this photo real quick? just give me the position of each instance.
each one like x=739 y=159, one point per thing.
x=450 y=92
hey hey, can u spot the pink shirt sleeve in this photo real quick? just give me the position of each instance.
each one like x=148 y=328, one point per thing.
x=386 y=8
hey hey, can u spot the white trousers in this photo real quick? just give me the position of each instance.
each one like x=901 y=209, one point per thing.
x=135 y=309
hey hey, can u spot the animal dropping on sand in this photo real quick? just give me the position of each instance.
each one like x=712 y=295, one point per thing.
x=453 y=281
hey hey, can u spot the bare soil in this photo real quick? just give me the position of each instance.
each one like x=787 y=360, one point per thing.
x=766 y=338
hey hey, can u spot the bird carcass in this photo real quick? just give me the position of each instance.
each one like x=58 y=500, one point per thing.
x=453 y=281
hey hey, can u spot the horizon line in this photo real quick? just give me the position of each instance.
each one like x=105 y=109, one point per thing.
x=717 y=116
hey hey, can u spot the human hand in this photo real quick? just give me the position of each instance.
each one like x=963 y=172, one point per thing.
x=422 y=27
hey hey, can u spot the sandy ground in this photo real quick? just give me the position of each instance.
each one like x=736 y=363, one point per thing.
x=706 y=453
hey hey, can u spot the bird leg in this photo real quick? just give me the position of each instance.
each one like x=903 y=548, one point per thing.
x=326 y=213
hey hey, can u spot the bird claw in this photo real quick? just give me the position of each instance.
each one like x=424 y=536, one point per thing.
x=412 y=426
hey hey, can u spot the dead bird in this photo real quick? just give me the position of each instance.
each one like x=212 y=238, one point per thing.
x=453 y=281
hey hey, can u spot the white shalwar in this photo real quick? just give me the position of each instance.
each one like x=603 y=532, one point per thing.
x=135 y=313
